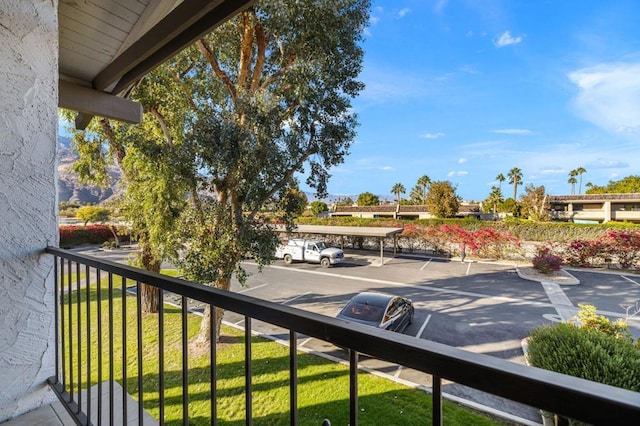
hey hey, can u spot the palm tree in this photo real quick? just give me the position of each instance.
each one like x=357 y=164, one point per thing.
x=419 y=192
x=588 y=185
x=500 y=178
x=495 y=198
x=515 y=179
x=580 y=171
x=398 y=189
x=572 y=181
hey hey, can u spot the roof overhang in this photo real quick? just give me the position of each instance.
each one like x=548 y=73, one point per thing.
x=105 y=48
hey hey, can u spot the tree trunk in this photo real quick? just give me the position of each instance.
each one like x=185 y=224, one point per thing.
x=151 y=296
x=204 y=334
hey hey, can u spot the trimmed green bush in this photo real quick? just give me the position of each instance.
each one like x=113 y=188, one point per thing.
x=586 y=353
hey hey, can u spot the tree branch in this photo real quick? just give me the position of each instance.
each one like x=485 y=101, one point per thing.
x=163 y=124
x=261 y=38
x=208 y=54
x=116 y=147
x=245 y=51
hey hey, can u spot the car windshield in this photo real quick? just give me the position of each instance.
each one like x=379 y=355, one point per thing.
x=363 y=311
x=321 y=246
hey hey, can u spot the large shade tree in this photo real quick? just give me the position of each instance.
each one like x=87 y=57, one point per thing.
x=264 y=97
x=272 y=94
x=442 y=201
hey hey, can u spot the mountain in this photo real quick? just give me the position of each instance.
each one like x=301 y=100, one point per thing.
x=69 y=187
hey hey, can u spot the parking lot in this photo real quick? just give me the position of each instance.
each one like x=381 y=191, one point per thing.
x=481 y=307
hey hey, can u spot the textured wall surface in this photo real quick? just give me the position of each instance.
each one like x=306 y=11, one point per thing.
x=28 y=223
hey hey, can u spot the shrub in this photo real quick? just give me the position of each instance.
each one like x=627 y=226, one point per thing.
x=585 y=253
x=623 y=246
x=589 y=319
x=72 y=235
x=586 y=353
x=545 y=261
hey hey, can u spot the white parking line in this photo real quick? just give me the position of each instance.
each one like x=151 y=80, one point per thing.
x=252 y=288
x=304 y=342
x=468 y=268
x=424 y=325
x=294 y=298
x=630 y=280
x=426 y=264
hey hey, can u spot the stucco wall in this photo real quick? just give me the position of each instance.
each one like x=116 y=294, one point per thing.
x=28 y=126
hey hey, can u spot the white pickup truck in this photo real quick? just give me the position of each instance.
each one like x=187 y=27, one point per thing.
x=309 y=251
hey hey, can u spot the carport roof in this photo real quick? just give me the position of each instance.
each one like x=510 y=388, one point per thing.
x=353 y=231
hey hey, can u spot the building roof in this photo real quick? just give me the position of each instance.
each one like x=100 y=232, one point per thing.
x=105 y=47
x=352 y=231
x=594 y=197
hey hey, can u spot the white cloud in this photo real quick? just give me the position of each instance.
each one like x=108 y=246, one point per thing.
x=457 y=173
x=601 y=163
x=512 y=131
x=404 y=12
x=506 y=39
x=552 y=171
x=462 y=160
x=432 y=135
x=388 y=168
x=609 y=96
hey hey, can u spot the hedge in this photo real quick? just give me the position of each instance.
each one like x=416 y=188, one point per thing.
x=525 y=230
x=74 y=235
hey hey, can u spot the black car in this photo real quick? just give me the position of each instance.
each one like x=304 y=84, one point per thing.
x=380 y=310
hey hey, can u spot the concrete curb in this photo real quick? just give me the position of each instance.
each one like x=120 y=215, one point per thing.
x=570 y=279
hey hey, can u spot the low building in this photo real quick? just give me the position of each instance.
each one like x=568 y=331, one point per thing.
x=401 y=211
x=595 y=208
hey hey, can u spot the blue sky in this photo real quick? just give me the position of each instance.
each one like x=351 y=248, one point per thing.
x=463 y=90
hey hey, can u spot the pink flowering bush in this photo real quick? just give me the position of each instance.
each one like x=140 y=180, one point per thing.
x=545 y=261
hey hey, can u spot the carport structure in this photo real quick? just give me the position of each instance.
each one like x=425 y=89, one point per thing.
x=350 y=231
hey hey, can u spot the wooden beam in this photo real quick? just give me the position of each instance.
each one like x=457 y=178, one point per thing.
x=89 y=102
x=189 y=21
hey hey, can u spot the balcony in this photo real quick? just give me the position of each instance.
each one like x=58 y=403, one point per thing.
x=80 y=377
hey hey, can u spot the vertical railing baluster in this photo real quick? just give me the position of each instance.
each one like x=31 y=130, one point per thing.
x=353 y=387
x=124 y=350
x=247 y=371
x=161 y=355
x=79 y=336
x=87 y=282
x=139 y=341
x=185 y=364
x=62 y=328
x=99 y=340
x=436 y=396
x=293 y=377
x=69 y=291
x=111 y=351
x=56 y=318
x=213 y=367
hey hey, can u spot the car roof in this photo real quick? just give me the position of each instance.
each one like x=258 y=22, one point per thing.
x=374 y=299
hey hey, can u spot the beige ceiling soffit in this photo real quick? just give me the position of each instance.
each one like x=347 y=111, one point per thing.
x=89 y=102
x=190 y=20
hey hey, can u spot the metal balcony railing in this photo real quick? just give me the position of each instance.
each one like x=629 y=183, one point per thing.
x=567 y=396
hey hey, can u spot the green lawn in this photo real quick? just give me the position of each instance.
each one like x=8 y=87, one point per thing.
x=323 y=385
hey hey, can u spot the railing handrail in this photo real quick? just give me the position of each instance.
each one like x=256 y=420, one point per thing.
x=558 y=393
